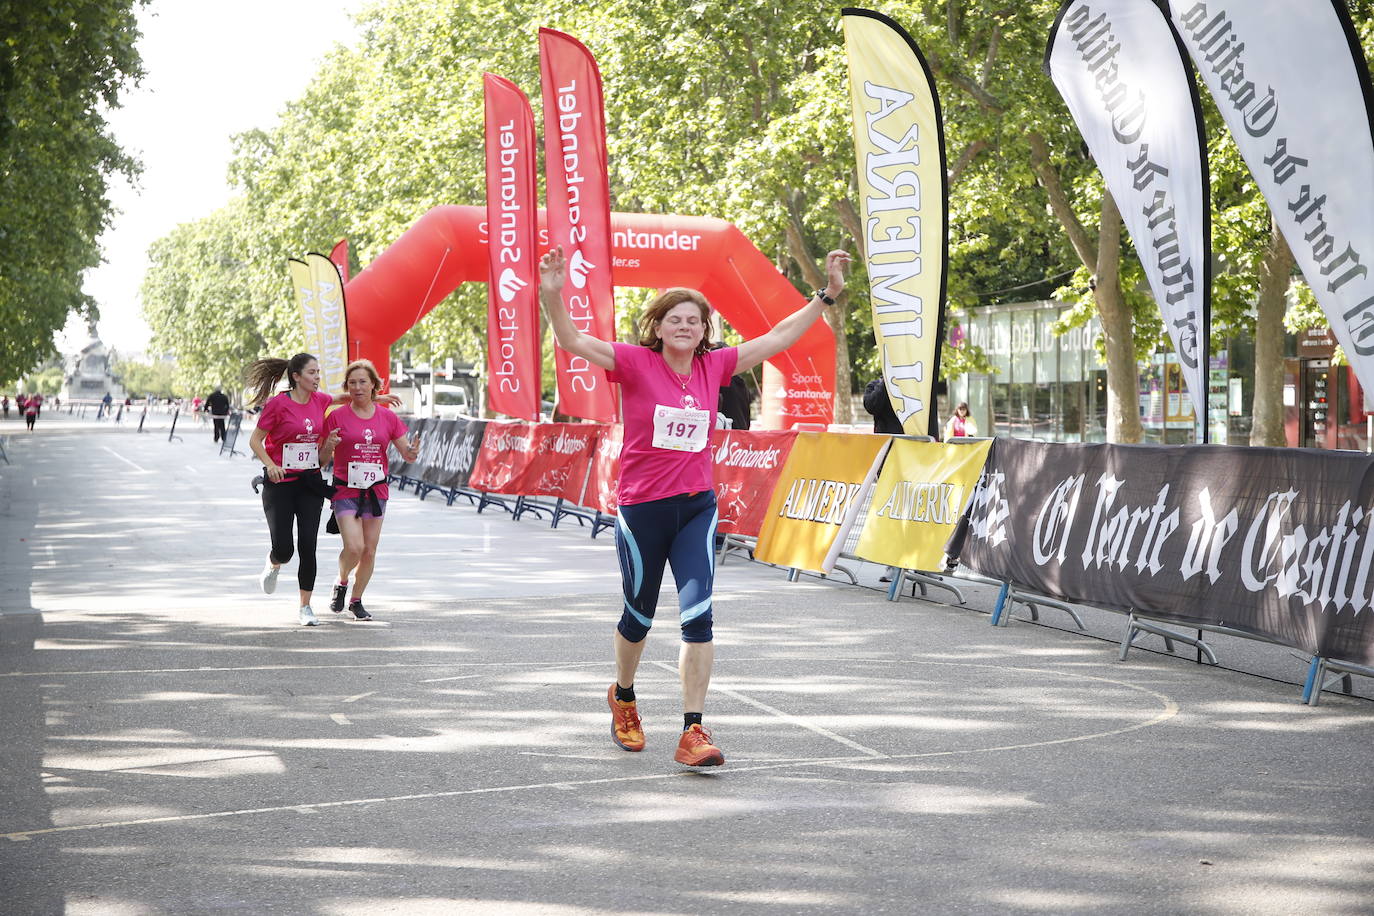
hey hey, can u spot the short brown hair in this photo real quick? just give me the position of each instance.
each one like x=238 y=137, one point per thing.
x=371 y=371
x=664 y=303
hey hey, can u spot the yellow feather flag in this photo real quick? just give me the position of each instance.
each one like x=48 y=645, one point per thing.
x=319 y=291
x=900 y=147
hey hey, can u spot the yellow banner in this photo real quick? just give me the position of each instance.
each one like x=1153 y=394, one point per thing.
x=817 y=499
x=319 y=291
x=921 y=492
x=900 y=148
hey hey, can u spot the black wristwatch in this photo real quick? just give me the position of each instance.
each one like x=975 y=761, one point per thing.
x=820 y=293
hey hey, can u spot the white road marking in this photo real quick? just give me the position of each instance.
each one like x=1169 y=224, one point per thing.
x=125 y=460
x=354 y=699
x=460 y=677
x=207 y=668
x=1169 y=711
x=788 y=717
x=340 y=718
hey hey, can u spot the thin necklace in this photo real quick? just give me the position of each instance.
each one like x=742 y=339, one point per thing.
x=691 y=367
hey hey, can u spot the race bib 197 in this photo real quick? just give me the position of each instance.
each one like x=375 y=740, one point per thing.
x=681 y=429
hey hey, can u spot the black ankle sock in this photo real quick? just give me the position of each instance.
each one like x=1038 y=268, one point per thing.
x=624 y=694
x=689 y=719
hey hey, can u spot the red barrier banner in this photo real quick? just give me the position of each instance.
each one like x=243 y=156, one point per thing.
x=603 y=483
x=507 y=450
x=577 y=190
x=560 y=455
x=513 y=351
x=747 y=465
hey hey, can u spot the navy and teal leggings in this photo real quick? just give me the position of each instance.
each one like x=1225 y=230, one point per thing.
x=680 y=530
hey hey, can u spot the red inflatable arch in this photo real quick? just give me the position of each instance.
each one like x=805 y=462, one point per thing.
x=448 y=246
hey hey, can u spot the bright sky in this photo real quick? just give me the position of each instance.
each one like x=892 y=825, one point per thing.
x=213 y=70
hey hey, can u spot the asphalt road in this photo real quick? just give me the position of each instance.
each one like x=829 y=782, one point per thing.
x=174 y=743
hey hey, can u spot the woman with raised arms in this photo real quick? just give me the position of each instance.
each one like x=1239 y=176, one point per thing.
x=670 y=385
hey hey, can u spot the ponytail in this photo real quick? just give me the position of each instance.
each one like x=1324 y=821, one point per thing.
x=263 y=376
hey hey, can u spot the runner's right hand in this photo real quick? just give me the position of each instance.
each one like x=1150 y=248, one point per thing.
x=275 y=473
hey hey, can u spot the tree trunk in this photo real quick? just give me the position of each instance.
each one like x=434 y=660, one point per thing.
x=1103 y=257
x=1275 y=274
x=1118 y=331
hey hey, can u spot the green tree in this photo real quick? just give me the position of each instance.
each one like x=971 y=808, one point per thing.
x=62 y=64
x=140 y=379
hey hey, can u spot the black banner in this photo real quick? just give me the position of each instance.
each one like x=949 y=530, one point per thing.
x=448 y=449
x=1276 y=542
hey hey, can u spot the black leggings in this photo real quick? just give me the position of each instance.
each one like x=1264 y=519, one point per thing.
x=283 y=503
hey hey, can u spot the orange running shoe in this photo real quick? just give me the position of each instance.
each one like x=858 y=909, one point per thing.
x=625 y=728
x=696 y=750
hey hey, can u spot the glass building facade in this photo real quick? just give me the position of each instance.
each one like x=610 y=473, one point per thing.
x=1055 y=388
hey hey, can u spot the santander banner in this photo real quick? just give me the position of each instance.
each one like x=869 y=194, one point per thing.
x=579 y=212
x=603 y=480
x=747 y=465
x=513 y=364
x=507 y=450
x=560 y=456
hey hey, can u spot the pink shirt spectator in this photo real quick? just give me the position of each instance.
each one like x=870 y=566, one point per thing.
x=363 y=441
x=286 y=421
x=646 y=381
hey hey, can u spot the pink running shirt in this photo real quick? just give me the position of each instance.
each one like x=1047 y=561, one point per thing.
x=646 y=381
x=363 y=440
x=287 y=421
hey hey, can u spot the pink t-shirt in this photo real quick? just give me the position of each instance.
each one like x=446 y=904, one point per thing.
x=646 y=381
x=286 y=421
x=363 y=441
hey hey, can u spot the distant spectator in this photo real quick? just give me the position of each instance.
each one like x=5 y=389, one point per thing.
x=960 y=424
x=218 y=406
x=104 y=406
x=5 y=403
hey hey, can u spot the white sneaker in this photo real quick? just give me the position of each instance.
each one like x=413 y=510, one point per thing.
x=268 y=577
x=308 y=617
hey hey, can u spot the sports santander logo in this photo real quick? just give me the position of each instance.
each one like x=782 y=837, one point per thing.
x=578 y=269
x=510 y=284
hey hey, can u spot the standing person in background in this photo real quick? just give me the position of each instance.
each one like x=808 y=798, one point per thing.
x=359 y=435
x=218 y=404
x=670 y=386
x=960 y=424
x=105 y=403
x=734 y=402
x=877 y=403
x=288 y=442
x=5 y=402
